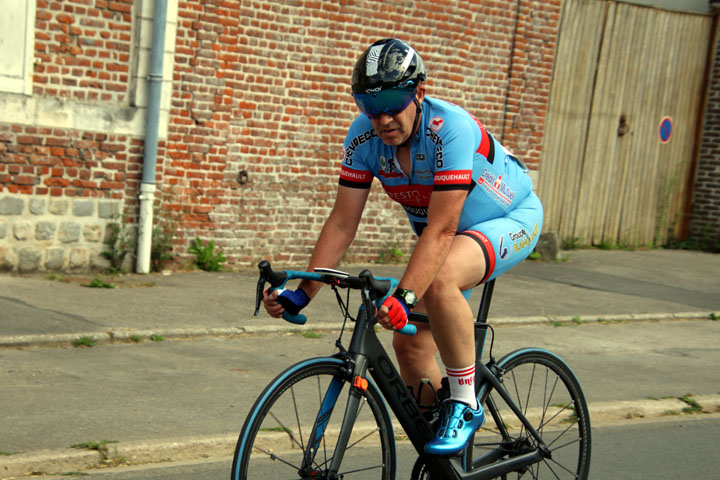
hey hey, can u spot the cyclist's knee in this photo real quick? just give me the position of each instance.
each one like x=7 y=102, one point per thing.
x=441 y=285
x=416 y=349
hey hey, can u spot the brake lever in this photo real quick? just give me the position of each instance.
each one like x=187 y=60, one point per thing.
x=259 y=293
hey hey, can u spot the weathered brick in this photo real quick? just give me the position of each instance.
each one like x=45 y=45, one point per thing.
x=704 y=227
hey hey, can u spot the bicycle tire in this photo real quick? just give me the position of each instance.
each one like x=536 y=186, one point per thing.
x=549 y=395
x=275 y=434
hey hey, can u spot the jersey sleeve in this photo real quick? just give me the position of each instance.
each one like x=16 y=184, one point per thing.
x=454 y=156
x=354 y=178
x=354 y=172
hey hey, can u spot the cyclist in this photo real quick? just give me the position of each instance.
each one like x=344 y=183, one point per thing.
x=469 y=200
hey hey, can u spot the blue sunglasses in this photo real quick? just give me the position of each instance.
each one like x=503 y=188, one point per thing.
x=390 y=102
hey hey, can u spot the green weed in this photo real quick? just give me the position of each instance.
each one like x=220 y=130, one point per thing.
x=606 y=245
x=157 y=338
x=557 y=324
x=206 y=258
x=308 y=333
x=85 y=342
x=608 y=322
x=121 y=241
x=693 y=405
x=390 y=255
x=98 y=283
x=573 y=244
x=312 y=334
x=167 y=224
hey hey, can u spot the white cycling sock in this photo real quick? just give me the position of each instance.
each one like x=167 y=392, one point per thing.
x=462 y=385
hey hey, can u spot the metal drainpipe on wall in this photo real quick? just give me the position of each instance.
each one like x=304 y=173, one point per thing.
x=147 y=187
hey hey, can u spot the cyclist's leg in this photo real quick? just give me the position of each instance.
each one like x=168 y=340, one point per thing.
x=416 y=359
x=451 y=319
x=477 y=255
x=451 y=322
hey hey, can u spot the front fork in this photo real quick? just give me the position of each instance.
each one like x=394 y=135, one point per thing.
x=359 y=370
x=351 y=411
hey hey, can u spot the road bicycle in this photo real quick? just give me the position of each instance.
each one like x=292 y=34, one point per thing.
x=328 y=417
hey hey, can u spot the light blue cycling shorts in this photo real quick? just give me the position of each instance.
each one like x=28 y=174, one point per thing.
x=508 y=240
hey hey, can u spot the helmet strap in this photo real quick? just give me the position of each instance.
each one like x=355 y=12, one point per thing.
x=418 y=111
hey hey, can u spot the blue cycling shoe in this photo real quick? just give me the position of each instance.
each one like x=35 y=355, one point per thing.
x=457 y=423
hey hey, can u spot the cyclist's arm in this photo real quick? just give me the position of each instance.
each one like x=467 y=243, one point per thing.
x=434 y=244
x=337 y=233
x=453 y=180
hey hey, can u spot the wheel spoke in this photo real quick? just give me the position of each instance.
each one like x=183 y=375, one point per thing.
x=309 y=401
x=297 y=418
x=545 y=390
x=287 y=431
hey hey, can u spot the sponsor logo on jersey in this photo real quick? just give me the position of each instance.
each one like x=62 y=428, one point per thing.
x=436 y=124
x=504 y=252
x=424 y=174
x=356 y=142
x=496 y=188
x=410 y=195
x=522 y=240
x=517 y=235
x=388 y=169
x=421 y=212
x=453 y=177
x=357 y=176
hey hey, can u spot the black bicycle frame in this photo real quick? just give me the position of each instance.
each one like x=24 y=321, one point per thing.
x=368 y=354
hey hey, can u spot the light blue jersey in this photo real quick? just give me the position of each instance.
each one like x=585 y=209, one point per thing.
x=452 y=150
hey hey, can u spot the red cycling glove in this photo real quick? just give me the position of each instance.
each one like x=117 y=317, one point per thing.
x=398 y=312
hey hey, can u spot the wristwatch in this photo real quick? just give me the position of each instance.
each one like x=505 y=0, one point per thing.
x=408 y=297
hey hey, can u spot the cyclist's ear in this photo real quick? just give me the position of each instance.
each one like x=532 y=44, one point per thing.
x=420 y=92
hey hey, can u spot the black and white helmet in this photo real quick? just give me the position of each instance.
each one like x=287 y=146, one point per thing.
x=386 y=64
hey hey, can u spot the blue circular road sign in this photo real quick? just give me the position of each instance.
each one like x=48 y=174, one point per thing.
x=666 y=126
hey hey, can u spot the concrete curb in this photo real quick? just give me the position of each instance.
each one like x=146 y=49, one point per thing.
x=223 y=446
x=126 y=335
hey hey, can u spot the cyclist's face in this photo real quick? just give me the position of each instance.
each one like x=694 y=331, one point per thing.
x=394 y=130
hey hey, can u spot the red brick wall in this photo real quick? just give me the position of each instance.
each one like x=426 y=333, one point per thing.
x=261 y=87
x=82 y=49
x=62 y=162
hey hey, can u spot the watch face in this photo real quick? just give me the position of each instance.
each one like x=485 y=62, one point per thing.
x=410 y=298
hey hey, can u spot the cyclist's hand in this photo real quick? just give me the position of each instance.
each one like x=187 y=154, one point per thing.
x=279 y=301
x=393 y=314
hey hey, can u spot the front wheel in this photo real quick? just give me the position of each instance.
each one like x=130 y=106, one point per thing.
x=550 y=396
x=292 y=429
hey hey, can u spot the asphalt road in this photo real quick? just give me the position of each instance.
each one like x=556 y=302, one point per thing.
x=667 y=449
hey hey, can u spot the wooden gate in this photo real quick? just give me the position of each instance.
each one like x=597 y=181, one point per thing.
x=606 y=175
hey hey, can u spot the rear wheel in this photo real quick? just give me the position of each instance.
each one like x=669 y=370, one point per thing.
x=277 y=438
x=550 y=396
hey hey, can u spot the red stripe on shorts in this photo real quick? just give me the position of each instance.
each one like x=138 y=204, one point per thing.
x=488 y=250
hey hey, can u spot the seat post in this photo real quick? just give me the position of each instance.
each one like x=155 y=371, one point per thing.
x=481 y=321
x=485 y=301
